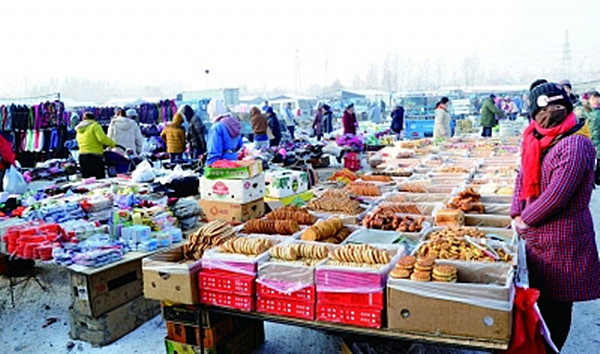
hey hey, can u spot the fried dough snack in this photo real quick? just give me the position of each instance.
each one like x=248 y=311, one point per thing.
x=452 y=169
x=364 y=254
x=299 y=215
x=386 y=220
x=292 y=252
x=376 y=178
x=212 y=234
x=468 y=201
x=364 y=189
x=402 y=208
x=414 y=187
x=337 y=193
x=322 y=230
x=247 y=246
x=271 y=227
x=342 y=205
x=450 y=243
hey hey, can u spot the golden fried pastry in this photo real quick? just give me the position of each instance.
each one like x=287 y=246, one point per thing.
x=322 y=230
x=400 y=273
x=376 y=178
x=364 y=189
x=420 y=276
x=271 y=227
x=329 y=204
x=299 y=215
x=246 y=246
x=212 y=234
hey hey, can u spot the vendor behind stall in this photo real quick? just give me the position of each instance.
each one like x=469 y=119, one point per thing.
x=92 y=140
x=7 y=158
x=259 y=128
x=551 y=208
x=224 y=137
x=174 y=136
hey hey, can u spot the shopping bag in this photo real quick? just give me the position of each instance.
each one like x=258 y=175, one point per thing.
x=143 y=173
x=13 y=182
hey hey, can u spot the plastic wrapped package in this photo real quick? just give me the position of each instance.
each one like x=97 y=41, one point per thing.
x=405 y=197
x=482 y=284
x=215 y=259
x=289 y=276
x=363 y=280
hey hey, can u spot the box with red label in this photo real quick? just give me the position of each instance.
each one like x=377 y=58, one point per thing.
x=232 y=301
x=356 y=316
x=191 y=334
x=266 y=289
x=288 y=308
x=233 y=190
x=234 y=213
x=373 y=300
x=229 y=282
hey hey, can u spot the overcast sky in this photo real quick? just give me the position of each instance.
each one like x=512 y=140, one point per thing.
x=255 y=43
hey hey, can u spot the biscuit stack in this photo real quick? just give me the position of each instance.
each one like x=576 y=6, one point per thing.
x=423 y=269
x=212 y=234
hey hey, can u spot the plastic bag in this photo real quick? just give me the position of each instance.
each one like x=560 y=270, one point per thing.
x=143 y=172
x=14 y=183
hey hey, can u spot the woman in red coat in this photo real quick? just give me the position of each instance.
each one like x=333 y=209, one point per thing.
x=349 y=121
x=551 y=209
x=7 y=158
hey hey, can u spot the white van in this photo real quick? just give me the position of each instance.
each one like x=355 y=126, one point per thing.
x=302 y=108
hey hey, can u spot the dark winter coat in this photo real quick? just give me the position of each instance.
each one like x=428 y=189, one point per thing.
x=397 y=119
x=489 y=111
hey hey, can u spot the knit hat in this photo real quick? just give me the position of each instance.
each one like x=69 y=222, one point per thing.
x=131 y=113
x=546 y=94
x=215 y=109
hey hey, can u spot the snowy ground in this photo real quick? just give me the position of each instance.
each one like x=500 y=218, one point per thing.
x=23 y=330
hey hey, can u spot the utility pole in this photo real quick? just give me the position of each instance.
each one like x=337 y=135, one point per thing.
x=566 y=59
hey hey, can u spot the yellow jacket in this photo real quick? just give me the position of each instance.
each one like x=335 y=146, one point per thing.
x=91 y=138
x=174 y=135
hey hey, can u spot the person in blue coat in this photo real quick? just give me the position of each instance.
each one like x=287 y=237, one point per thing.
x=225 y=135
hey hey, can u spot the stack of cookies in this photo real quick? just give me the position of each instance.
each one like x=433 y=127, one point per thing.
x=423 y=269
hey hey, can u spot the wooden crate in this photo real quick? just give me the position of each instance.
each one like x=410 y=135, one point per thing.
x=114 y=324
x=95 y=291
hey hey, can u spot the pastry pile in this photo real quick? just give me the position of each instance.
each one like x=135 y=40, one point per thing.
x=271 y=227
x=212 y=234
x=246 y=246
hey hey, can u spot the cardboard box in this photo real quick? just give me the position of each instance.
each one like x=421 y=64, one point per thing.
x=280 y=184
x=192 y=315
x=296 y=199
x=247 y=169
x=233 y=212
x=114 y=324
x=191 y=334
x=174 y=347
x=165 y=278
x=474 y=310
x=373 y=300
x=304 y=295
x=233 y=190
x=97 y=293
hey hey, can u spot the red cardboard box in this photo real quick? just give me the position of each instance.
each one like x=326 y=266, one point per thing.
x=288 y=308
x=356 y=316
x=305 y=295
x=232 y=301
x=372 y=300
x=222 y=281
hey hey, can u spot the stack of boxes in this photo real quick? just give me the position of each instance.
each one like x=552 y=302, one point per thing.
x=287 y=187
x=234 y=195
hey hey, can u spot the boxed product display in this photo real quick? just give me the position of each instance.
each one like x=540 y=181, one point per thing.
x=166 y=277
x=233 y=190
x=479 y=305
x=280 y=184
x=244 y=170
x=233 y=212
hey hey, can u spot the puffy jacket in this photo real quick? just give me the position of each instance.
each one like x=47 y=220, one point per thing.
x=397 y=119
x=274 y=125
x=6 y=153
x=441 y=127
x=196 y=134
x=91 y=138
x=125 y=132
x=174 y=135
x=259 y=122
x=349 y=123
x=489 y=112
x=224 y=141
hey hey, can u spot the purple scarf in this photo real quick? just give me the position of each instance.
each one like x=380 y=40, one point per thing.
x=233 y=125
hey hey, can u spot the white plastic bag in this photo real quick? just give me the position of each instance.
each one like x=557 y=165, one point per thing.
x=14 y=183
x=143 y=173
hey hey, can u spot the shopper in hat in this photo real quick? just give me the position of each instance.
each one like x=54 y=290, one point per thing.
x=441 y=127
x=551 y=208
x=566 y=84
x=125 y=131
x=196 y=132
x=225 y=135
x=274 y=127
x=327 y=119
x=91 y=140
x=174 y=136
x=489 y=111
x=349 y=121
x=318 y=123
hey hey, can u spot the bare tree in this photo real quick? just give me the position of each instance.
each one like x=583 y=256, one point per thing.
x=356 y=81
x=371 y=80
x=389 y=73
x=470 y=69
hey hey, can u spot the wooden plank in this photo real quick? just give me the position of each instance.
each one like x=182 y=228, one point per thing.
x=475 y=343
